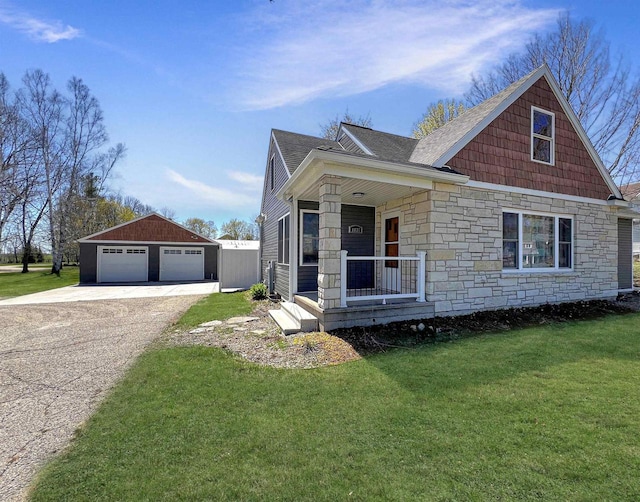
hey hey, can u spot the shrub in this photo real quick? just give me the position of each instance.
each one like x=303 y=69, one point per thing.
x=258 y=291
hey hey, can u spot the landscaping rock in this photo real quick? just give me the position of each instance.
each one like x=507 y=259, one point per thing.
x=210 y=324
x=241 y=320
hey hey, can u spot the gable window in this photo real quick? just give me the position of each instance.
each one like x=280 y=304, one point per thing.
x=309 y=243
x=536 y=241
x=542 y=136
x=272 y=172
x=283 y=240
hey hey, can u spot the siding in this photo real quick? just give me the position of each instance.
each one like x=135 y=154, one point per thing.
x=361 y=274
x=357 y=244
x=501 y=153
x=625 y=247
x=349 y=145
x=274 y=209
x=151 y=228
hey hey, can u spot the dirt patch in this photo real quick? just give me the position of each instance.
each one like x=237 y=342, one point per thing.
x=259 y=340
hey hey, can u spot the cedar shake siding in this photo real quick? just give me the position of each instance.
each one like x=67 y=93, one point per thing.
x=274 y=209
x=152 y=228
x=501 y=153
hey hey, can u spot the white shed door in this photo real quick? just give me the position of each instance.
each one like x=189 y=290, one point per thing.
x=181 y=264
x=123 y=263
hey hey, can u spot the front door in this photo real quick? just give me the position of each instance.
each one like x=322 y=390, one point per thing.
x=391 y=276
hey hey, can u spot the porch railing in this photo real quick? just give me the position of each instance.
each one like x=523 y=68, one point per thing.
x=366 y=278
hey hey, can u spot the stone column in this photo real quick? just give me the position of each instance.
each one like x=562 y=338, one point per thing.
x=330 y=242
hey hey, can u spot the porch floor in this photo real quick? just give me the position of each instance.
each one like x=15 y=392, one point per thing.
x=364 y=313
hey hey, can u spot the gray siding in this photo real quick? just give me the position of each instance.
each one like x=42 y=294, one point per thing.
x=274 y=209
x=349 y=145
x=356 y=244
x=625 y=249
x=359 y=274
x=89 y=260
x=88 y=263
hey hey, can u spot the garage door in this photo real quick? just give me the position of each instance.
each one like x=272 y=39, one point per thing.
x=181 y=264
x=122 y=263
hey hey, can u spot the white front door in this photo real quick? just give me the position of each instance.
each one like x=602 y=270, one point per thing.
x=391 y=269
x=181 y=264
x=122 y=264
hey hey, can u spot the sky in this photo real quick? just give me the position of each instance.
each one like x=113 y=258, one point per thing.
x=193 y=88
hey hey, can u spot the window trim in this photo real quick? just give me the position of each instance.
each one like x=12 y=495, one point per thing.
x=556 y=243
x=286 y=217
x=551 y=139
x=301 y=237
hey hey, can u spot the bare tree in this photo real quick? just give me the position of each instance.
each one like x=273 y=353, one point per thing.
x=437 y=115
x=330 y=129
x=604 y=95
x=168 y=213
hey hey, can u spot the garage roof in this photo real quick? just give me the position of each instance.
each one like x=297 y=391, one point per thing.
x=149 y=228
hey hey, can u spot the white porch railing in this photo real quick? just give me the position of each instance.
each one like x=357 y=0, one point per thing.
x=381 y=277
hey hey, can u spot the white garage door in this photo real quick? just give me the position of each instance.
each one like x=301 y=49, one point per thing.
x=123 y=263
x=181 y=264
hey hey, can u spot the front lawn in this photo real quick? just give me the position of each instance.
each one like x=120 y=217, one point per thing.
x=545 y=413
x=36 y=280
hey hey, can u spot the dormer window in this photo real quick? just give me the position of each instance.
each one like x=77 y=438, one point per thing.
x=543 y=130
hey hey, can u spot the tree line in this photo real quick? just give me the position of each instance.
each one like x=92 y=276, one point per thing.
x=55 y=162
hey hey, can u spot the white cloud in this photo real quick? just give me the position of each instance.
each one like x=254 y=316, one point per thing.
x=38 y=29
x=309 y=50
x=219 y=197
x=249 y=181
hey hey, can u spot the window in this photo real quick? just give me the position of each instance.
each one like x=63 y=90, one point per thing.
x=309 y=244
x=542 y=136
x=272 y=172
x=283 y=240
x=536 y=241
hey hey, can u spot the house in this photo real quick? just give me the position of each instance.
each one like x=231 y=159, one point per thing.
x=631 y=192
x=507 y=205
x=147 y=249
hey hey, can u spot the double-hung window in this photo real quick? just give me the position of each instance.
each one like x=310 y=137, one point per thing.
x=536 y=241
x=283 y=240
x=543 y=125
x=309 y=243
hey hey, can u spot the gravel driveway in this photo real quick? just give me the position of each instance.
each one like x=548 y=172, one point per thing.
x=57 y=362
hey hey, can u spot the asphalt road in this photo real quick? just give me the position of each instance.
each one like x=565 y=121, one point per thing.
x=57 y=362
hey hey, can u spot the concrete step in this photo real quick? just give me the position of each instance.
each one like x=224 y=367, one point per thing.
x=308 y=322
x=287 y=324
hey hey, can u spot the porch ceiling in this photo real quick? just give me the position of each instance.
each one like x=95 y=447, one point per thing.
x=375 y=193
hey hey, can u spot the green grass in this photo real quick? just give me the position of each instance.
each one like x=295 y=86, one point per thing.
x=546 y=413
x=216 y=306
x=17 y=284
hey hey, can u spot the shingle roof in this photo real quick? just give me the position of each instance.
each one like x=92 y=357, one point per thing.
x=631 y=191
x=295 y=147
x=432 y=147
x=385 y=146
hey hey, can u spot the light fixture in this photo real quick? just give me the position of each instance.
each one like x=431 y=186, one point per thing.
x=358 y=195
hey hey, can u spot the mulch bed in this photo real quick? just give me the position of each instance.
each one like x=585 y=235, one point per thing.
x=444 y=329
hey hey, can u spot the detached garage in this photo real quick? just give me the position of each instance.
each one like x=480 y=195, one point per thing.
x=148 y=249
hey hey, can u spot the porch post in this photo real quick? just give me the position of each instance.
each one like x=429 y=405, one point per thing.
x=343 y=278
x=421 y=275
x=330 y=242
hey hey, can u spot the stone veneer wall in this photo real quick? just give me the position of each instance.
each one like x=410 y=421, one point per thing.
x=461 y=230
